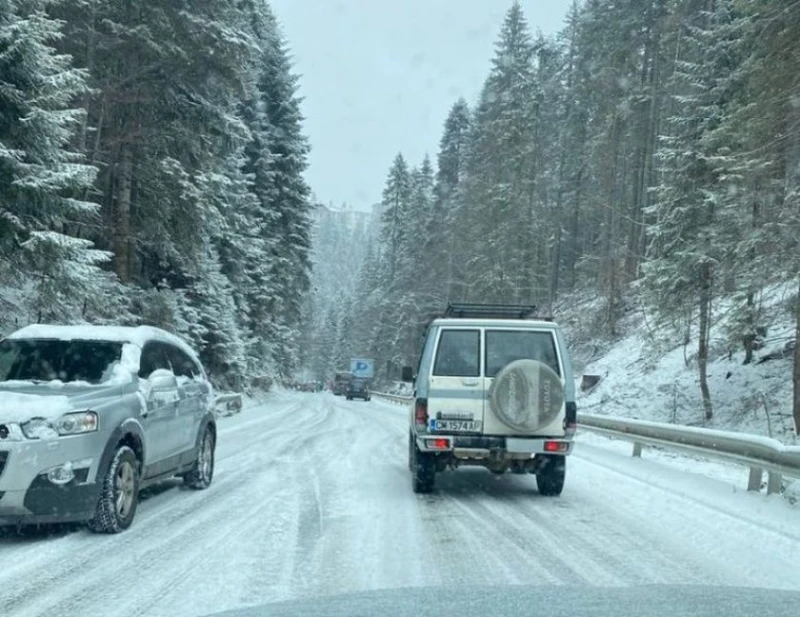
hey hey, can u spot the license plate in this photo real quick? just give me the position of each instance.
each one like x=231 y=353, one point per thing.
x=457 y=426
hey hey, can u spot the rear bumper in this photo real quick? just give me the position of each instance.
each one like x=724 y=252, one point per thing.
x=480 y=447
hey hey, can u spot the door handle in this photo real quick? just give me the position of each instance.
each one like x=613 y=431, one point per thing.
x=469 y=382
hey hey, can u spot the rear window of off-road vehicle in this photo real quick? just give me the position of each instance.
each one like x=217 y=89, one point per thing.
x=458 y=354
x=506 y=346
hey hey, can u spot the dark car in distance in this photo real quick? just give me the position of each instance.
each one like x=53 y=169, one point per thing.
x=358 y=388
x=341 y=382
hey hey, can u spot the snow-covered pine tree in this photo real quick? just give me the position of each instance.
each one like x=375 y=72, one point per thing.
x=396 y=198
x=44 y=218
x=683 y=271
x=499 y=195
x=277 y=158
x=769 y=127
x=445 y=250
x=418 y=291
x=571 y=180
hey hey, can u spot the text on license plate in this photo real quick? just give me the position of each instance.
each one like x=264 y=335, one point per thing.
x=464 y=426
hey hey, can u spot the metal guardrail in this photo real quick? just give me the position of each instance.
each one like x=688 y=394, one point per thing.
x=227 y=404
x=393 y=398
x=758 y=453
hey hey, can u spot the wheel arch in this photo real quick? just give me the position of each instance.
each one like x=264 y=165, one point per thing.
x=208 y=422
x=129 y=433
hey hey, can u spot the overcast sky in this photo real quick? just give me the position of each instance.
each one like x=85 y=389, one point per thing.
x=379 y=76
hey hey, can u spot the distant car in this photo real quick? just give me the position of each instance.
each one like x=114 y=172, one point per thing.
x=340 y=383
x=358 y=388
x=89 y=415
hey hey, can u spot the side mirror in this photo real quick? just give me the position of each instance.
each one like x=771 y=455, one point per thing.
x=408 y=374
x=161 y=379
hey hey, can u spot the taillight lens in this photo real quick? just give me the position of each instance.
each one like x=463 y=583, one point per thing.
x=556 y=446
x=421 y=411
x=438 y=444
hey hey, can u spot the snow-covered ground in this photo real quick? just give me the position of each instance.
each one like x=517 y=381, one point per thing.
x=312 y=497
x=647 y=373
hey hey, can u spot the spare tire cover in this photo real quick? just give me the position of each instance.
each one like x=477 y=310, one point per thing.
x=526 y=395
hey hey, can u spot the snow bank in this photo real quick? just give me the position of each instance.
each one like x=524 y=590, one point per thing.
x=648 y=374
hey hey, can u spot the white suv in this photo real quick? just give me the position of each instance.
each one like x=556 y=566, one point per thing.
x=494 y=388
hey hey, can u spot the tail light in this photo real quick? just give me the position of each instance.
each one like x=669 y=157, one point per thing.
x=556 y=446
x=438 y=444
x=421 y=411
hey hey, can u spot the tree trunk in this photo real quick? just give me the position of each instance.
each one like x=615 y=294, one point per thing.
x=556 y=265
x=122 y=230
x=796 y=376
x=750 y=335
x=573 y=253
x=702 y=348
x=638 y=238
x=608 y=269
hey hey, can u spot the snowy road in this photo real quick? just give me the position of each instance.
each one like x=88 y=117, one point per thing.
x=312 y=497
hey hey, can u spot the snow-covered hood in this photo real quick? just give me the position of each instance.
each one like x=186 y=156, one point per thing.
x=21 y=401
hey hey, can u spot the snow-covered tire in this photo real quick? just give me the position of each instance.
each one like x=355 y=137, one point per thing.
x=119 y=494
x=526 y=395
x=423 y=470
x=551 y=474
x=202 y=473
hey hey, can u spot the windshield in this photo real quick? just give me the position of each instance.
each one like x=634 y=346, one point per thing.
x=50 y=360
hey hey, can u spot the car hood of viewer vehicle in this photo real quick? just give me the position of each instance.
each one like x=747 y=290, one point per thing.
x=20 y=401
x=547 y=601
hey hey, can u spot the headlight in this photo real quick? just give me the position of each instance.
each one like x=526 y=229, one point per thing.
x=77 y=423
x=69 y=424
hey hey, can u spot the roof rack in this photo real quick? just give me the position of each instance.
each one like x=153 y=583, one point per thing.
x=490 y=311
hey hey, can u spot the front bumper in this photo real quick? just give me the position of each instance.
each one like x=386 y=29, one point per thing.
x=28 y=495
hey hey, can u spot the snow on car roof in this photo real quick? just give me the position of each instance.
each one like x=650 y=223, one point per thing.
x=137 y=335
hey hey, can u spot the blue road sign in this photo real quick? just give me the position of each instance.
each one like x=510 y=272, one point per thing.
x=362 y=367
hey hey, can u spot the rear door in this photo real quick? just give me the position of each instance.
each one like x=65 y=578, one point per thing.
x=504 y=346
x=457 y=392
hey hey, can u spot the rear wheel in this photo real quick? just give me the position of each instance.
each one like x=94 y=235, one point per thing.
x=199 y=478
x=551 y=474
x=423 y=468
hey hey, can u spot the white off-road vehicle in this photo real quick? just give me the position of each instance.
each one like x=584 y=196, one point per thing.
x=493 y=388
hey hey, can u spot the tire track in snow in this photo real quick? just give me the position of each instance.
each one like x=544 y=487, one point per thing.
x=313 y=497
x=174 y=517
